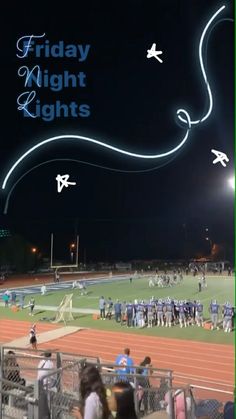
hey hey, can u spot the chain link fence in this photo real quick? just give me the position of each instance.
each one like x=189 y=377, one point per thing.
x=39 y=386
x=22 y=391
x=59 y=391
x=208 y=402
x=150 y=390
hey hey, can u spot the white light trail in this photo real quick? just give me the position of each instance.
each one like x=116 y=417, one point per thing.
x=182 y=114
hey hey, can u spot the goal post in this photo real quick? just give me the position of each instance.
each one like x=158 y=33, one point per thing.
x=73 y=265
x=64 y=310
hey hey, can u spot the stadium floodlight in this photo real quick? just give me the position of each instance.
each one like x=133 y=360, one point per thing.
x=231 y=182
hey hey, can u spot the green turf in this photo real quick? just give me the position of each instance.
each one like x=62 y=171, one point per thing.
x=221 y=288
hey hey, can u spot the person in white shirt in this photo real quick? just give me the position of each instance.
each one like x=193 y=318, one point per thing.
x=44 y=367
x=43 y=289
x=48 y=383
x=74 y=285
x=93 y=396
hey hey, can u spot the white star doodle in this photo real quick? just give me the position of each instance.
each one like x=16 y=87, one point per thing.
x=62 y=181
x=220 y=157
x=153 y=53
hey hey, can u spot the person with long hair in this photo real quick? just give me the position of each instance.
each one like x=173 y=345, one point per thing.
x=33 y=338
x=121 y=401
x=144 y=383
x=93 y=401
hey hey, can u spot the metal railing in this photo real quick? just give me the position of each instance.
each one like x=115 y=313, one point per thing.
x=53 y=395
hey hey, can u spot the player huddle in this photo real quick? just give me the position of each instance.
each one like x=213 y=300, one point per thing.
x=166 y=313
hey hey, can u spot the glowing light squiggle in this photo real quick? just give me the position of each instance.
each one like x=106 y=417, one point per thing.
x=204 y=75
x=111 y=169
x=182 y=114
x=100 y=143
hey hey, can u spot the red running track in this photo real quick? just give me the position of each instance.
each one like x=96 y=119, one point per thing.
x=196 y=363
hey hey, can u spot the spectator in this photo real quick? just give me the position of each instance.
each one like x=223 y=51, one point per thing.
x=44 y=367
x=11 y=369
x=11 y=372
x=93 y=396
x=124 y=361
x=121 y=401
x=102 y=305
x=145 y=368
x=144 y=383
x=229 y=410
x=6 y=298
x=180 y=403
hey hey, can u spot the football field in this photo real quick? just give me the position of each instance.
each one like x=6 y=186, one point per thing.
x=220 y=288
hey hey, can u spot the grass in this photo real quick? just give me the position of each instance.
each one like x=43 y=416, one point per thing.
x=220 y=288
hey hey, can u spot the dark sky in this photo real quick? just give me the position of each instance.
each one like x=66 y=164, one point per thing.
x=133 y=102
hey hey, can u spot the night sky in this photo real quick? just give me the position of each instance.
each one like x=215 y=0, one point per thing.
x=159 y=213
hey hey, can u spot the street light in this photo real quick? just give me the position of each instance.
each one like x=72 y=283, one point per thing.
x=34 y=251
x=210 y=241
x=72 y=249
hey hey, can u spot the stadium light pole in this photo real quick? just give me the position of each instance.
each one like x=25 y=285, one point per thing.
x=210 y=241
x=72 y=249
x=231 y=182
x=34 y=251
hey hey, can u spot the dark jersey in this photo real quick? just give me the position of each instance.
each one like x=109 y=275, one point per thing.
x=228 y=311
x=199 y=308
x=129 y=308
x=214 y=308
